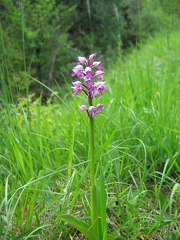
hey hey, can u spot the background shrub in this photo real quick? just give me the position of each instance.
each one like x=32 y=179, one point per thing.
x=43 y=38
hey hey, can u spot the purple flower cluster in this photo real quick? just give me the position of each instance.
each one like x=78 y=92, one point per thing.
x=87 y=70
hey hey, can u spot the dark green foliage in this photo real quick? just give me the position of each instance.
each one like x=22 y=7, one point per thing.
x=104 y=26
x=143 y=18
x=35 y=35
x=171 y=6
x=42 y=38
x=98 y=26
x=173 y=237
x=48 y=48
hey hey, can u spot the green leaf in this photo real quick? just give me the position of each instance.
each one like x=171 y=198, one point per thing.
x=103 y=205
x=83 y=227
x=173 y=237
x=110 y=237
x=25 y=234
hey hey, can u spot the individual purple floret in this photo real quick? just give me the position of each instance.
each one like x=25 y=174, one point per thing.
x=95 y=110
x=97 y=89
x=87 y=71
x=82 y=108
x=78 y=87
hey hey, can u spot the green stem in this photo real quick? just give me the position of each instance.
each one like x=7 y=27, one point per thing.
x=93 y=188
x=92 y=151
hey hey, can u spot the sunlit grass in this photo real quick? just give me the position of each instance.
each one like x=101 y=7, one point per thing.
x=44 y=156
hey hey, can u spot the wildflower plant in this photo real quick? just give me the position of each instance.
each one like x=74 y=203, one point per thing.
x=91 y=83
x=87 y=71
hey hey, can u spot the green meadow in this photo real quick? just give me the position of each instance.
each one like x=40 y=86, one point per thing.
x=44 y=152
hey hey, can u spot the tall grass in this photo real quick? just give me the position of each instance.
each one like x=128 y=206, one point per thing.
x=45 y=170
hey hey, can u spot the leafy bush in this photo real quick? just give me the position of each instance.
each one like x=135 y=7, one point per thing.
x=35 y=40
x=42 y=38
x=104 y=26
